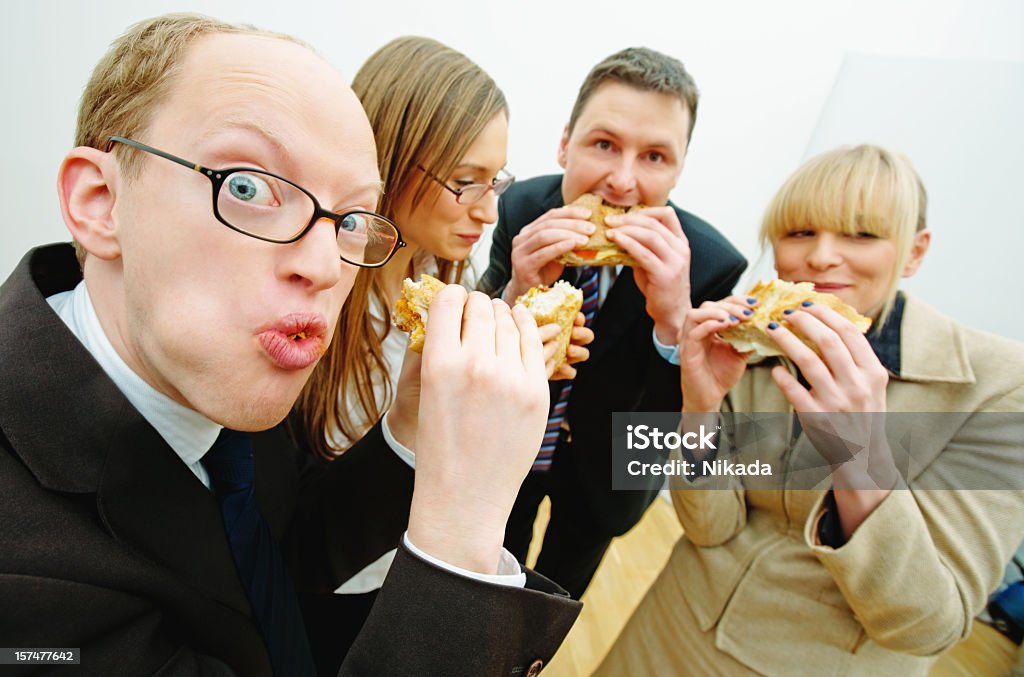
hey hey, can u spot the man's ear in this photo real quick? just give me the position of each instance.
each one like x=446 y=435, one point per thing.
x=563 y=147
x=86 y=185
x=922 y=240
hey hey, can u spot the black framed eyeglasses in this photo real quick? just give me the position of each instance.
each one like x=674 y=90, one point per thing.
x=474 y=192
x=268 y=207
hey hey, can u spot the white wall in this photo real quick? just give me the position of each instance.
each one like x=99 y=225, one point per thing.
x=766 y=71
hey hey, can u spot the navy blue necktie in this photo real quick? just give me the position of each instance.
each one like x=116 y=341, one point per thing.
x=587 y=281
x=257 y=557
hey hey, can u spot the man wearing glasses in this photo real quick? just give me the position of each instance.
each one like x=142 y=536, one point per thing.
x=220 y=211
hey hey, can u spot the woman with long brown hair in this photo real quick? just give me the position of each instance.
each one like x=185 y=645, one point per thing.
x=441 y=128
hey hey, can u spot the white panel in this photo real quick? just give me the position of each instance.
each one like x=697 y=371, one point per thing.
x=960 y=122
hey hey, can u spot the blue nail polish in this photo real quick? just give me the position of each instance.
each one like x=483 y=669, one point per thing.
x=807 y=304
x=773 y=325
x=788 y=311
x=733 y=318
x=751 y=300
x=747 y=311
x=721 y=320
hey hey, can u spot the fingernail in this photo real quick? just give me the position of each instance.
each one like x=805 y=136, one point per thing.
x=788 y=311
x=807 y=304
x=752 y=301
x=733 y=318
x=581 y=240
x=773 y=325
x=748 y=312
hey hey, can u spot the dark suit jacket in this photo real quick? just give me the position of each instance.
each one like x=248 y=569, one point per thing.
x=625 y=371
x=110 y=544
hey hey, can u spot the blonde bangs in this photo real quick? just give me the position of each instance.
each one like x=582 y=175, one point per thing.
x=852 y=190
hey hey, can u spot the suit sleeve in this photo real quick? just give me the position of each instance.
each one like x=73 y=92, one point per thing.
x=427 y=621
x=499 y=269
x=712 y=509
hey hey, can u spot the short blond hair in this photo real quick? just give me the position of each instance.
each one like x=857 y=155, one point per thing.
x=853 y=189
x=135 y=75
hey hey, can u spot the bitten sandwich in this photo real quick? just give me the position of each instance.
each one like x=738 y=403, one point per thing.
x=559 y=303
x=599 y=250
x=411 y=308
x=752 y=336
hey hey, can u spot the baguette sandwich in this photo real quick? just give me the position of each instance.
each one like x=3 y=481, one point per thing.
x=774 y=297
x=599 y=250
x=559 y=303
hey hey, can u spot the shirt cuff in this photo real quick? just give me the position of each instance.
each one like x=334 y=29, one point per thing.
x=669 y=353
x=403 y=452
x=509 y=572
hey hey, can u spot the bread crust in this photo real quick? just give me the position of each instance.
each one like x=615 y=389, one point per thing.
x=774 y=297
x=559 y=303
x=608 y=253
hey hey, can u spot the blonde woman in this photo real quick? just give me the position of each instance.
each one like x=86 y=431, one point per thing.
x=869 y=574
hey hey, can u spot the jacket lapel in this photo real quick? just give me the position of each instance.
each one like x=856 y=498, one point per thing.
x=96 y=442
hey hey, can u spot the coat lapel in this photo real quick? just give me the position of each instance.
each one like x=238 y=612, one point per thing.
x=94 y=441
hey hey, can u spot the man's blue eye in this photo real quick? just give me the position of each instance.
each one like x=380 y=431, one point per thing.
x=242 y=187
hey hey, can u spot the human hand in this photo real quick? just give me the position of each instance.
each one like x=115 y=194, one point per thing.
x=537 y=245
x=708 y=366
x=581 y=336
x=482 y=416
x=843 y=411
x=654 y=238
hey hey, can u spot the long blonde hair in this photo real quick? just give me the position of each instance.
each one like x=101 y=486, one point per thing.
x=427 y=103
x=848 y=190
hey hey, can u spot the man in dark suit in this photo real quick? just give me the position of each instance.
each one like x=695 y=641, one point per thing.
x=626 y=141
x=141 y=523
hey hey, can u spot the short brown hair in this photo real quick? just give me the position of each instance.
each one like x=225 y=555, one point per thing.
x=134 y=76
x=646 y=70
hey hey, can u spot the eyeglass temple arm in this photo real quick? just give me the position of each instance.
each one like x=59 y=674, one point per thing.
x=155 y=151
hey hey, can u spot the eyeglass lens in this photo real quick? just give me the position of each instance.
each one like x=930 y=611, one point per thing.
x=267 y=207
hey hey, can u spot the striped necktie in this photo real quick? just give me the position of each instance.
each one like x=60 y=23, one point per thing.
x=587 y=281
x=260 y=566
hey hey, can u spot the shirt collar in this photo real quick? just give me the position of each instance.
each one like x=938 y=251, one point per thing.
x=186 y=431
